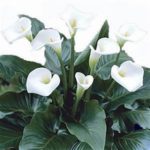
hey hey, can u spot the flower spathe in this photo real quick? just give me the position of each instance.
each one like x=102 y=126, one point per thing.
x=21 y=28
x=129 y=32
x=40 y=81
x=105 y=46
x=94 y=57
x=75 y=19
x=129 y=75
x=49 y=37
x=83 y=83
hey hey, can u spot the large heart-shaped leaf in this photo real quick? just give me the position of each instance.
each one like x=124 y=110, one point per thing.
x=121 y=96
x=91 y=128
x=106 y=62
x=43 y=133
x=52 y=61
x=13 y=73
x=36 y=25
x=134 y=141
x=10 y=65
x=25 y=103
x=9 y=136
x=15 y=84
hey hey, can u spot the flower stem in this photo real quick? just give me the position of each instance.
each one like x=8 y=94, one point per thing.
x=88 y=93
x=75 y=106
x=79 y=94
x=109 y=89
x=71 y=71
x=117 y=58
x=64 y=76
x=118 y=55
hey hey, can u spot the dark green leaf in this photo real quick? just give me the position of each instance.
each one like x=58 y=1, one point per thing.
x=52 y=61
x=119 y=124
x=104 y=30
x=141 y=117
x=9 y=136
x=82 y=57
x=9 y=65
x=134 y=141
x=36 y=25
x=13 y=73
x=27 y=104
x=91 y=128
x=121 y=96
x=43 y=133
x=106 y=62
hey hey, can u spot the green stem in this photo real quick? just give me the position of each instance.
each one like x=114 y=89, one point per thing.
x=75 y=106
x=118 y=55
x=71 y=71
x=79 y=94
x=64 y=76
x=117 y=58
x=109 y=89
x=88 y=93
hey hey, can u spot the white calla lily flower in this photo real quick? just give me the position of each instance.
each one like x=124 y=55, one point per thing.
x=40 y=81
x=129 y=75
x=105 y=46
x=129 y=32
x=21 y=28
x=49 y=37
x=83 y=83
x=94 y=58
x=75 y=19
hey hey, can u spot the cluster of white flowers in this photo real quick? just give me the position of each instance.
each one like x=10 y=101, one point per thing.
x=41 y=81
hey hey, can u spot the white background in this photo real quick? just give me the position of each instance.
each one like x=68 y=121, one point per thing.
x=116 y=11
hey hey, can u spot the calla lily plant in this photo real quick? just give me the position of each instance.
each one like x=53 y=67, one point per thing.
x=96 y=99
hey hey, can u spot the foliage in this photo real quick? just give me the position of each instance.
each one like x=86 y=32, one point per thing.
x=120 y=121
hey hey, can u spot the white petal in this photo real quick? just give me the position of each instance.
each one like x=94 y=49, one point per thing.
x=21 y=28
x=47 y=36
x=133 y=75
x=94 y=57
x=107 y=46
x=130 y=32
x=92 y=33
x=35 y=82
x=60 y=25
x=55 y=81
x=79 y=77
x=81 y=19
x=84 y=81
x=139 y=51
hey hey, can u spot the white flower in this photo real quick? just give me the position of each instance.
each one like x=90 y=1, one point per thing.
x=129 y=32
x=49 y=37
x=21 y=28
x=40 y=81
x=75 y=19
x=129 y=75
x=105 y=46
x=139 y=51
x=83 y=83
x=94 y=58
